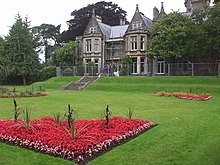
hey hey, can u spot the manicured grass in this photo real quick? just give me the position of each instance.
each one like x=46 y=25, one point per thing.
x=188 y=131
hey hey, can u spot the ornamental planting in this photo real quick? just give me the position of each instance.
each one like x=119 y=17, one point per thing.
x=93 y=137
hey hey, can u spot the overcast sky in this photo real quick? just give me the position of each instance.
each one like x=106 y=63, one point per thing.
x=58 y=12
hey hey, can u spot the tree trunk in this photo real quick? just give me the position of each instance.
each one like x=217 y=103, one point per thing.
x=24 y=80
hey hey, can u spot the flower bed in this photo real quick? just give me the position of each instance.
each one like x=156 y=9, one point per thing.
x=186 y=96
x=14 y=93
x=92 y=138
x=25 y=95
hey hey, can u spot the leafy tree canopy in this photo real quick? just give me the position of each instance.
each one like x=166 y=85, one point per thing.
x=47 y=36
x=216 y=1
x=169 y=37
x=66 y=55
x=110 y=12
x=206 y=45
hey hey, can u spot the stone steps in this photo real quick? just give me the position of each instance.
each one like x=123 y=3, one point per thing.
x=81 y=84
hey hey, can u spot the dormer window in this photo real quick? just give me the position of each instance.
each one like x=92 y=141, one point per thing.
x=136 y=25
x=93 y=30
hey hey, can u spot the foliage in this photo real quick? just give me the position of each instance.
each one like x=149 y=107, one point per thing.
x=216 y=1
x=82 y=147
x=110 y=12
x=48 y=72
x=66 y=55
x=130 y=114
x=176 y=118
x=67 y=70
x=91 y=68
x=126 y=65
x=57 y=117
x=80 y=68
x=195 y=39
x=6 y=93
x=206 y=41
x=47 y=36
x=170 y=37
x=3 y=90
x=27 y=118
x=19 y=51
x=16 y=111
x=4 y=72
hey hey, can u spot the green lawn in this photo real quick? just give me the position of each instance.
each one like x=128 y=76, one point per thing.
x=188 y=132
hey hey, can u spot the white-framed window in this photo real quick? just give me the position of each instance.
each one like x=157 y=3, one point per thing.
x=87 y=65
x=160 y=67
x=134 y=43
x=136 y=25
x=142 y=64
x=93 y=30
x=97 y=65
x=134 y=66
x=96 y=45
x=142 y=43
x=88 y=45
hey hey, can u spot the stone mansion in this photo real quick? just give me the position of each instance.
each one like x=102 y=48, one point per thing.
x=106 y=45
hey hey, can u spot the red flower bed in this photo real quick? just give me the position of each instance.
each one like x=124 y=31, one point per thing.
x=186 y=96
x=92 y=137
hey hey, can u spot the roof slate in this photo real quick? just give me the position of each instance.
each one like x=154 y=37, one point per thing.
x=111 y=32
x=147 y=21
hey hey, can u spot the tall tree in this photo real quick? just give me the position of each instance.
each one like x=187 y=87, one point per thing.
x=206 y=41
x=170 y=37
x=48 y=37
x=66 y=55
x=110 y=12
x=216 y=1
x=4 y=71
x=19 y=50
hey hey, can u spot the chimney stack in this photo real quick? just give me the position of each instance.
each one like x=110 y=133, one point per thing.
x=155 y=13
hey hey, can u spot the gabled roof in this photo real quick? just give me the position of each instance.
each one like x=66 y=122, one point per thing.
x=111 y=32
x=118 y=31
x=106 y=29
x=147 y=21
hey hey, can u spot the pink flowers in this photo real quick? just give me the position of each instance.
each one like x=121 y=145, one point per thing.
x=186 y=96
x=46 y=136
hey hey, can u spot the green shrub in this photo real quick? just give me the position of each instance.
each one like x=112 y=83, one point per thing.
x=68 y=70
x=91 y=68
x=80 y=68
x=47 y=72
x=3 y=90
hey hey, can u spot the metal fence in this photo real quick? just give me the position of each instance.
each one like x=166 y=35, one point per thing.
x=151 y=69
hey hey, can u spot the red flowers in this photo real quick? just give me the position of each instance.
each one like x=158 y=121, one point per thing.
x=45 y=136
x=186 y=96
